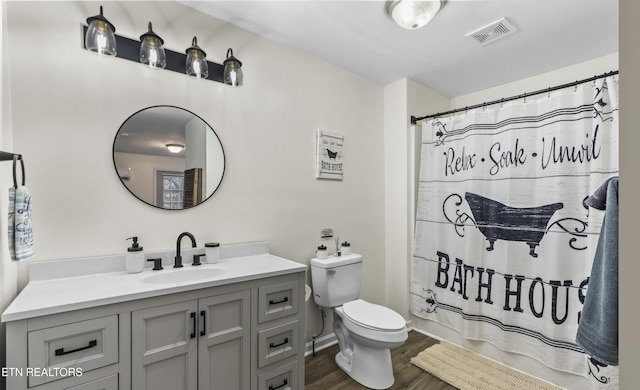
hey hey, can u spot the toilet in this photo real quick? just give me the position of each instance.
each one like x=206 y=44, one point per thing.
x=366 y=332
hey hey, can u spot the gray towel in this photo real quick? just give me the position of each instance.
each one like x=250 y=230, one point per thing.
x=599 y=198
x=598 y=327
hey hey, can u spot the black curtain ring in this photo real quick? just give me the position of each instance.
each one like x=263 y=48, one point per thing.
x=15 y=180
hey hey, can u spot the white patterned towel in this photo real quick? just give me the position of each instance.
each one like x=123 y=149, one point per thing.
x=20 y=227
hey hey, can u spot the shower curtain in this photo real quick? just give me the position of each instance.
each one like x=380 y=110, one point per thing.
x=504 y=243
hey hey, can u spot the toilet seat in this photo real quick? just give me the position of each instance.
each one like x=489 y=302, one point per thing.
x=375 y=317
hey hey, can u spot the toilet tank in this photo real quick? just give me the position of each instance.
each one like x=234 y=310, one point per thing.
x=336 y=279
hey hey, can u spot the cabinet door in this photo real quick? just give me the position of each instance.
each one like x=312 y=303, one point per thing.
x=224 y=345
x=164 y=347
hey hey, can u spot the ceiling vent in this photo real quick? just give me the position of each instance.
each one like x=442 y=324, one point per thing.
x=492 y=32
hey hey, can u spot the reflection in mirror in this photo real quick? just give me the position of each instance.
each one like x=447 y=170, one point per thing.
x=168 y=157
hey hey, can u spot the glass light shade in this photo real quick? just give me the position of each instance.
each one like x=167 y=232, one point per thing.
x=232 y=73
x=196 y=64
x=413 y=14
x=151 y=51
x=175 y=148
x=100 y=37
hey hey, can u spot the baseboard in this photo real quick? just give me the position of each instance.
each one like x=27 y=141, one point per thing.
x=320 y=344
x=426 y=333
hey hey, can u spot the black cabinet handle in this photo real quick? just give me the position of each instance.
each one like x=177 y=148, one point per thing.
x=271 y=387
x=272 y=302
x=272 y=345
x=203 y=314
x=61 y=351
x=193 y=318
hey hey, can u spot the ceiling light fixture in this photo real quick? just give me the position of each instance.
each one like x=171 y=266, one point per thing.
x=413 y=14
x=175 y=148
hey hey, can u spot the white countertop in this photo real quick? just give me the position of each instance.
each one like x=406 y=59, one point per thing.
x=61 y=294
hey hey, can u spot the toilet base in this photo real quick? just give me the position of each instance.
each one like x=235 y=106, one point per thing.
x=371 y=367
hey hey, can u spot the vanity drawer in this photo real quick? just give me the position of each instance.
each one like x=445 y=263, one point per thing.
x=72 y=348
x=108 y=383
x=277 y=301
x=277 y=343
x=281 y=378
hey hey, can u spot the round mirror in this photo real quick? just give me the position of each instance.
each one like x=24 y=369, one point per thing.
x=168 y=157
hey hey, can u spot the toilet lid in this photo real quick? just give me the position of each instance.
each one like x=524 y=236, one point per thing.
x=373 y=316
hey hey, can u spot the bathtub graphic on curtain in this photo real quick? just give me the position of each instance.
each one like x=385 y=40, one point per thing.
x=498 y=221
x=504 y=242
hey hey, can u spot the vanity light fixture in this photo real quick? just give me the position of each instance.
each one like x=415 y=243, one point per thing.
x=232 y=70
x=175 y=148
x=413 y=14
x=100 y=37
x=151 y=50
x=196 y=64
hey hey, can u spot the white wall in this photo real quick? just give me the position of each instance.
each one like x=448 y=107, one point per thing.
x=8 y=269
x=558 y=77
x=68 y=104
x=401 y=100
x=396 y=182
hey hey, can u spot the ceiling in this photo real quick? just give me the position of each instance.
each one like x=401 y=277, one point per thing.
x=360 y=37
x=149 y=130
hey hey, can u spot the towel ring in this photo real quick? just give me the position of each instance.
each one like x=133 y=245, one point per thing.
x=15 y=181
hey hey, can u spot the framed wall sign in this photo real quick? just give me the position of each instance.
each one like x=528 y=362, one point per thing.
x=329 y=155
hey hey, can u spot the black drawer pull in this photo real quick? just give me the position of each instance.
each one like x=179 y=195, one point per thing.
x=272 y=302
x=61 y=351
x=272 y=345
x=271 y=387
x=193 y=318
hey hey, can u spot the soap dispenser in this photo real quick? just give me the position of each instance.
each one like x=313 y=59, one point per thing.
x=134 y=260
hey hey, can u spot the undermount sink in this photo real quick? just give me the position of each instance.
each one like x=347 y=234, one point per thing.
x=182 y=276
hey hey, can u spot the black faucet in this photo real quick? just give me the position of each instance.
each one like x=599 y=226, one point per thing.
x=178 y=258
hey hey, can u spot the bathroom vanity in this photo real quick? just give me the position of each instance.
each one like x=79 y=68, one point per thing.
x=86 y=324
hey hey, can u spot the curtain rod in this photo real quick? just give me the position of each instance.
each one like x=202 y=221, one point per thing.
x=414 y=119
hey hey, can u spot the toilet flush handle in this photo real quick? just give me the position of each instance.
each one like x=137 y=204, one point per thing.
x=331 y=272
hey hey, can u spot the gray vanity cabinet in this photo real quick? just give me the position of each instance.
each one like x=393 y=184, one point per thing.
x=246 y=335
x=199 y=344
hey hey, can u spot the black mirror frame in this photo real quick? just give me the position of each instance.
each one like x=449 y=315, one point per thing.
x=224 y=157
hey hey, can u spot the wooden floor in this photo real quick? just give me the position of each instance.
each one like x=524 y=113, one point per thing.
x=322 y=373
